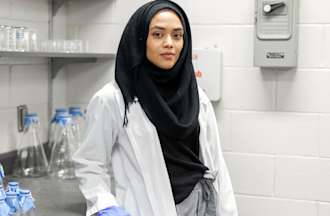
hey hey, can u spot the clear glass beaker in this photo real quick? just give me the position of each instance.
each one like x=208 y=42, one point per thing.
x=2 y=38
x=10 y=32
x=33 y=40
x=61 y=164
x=22 y=39
x=31 y=158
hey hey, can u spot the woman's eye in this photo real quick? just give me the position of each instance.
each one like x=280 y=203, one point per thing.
x=156 y=34
x=178 y=36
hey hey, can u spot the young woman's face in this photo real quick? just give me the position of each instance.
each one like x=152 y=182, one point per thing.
x=165 y=39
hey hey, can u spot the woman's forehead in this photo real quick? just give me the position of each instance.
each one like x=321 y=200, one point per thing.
x=165 y=19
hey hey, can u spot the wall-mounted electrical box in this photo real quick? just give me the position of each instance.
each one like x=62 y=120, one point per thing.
x=276 y=33
x=208 y=71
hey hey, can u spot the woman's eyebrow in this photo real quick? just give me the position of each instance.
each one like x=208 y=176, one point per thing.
x=162 y=28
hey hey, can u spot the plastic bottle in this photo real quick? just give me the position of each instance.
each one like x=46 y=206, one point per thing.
x=26 y=202
x=12 y=202
x=13 y=186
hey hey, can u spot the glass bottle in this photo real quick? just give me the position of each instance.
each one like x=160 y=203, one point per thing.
x=78 y=123
x=31 y=159
x=54 y=129
x=61 y=164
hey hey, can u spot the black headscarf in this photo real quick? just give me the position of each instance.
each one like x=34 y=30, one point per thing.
x=169 y=98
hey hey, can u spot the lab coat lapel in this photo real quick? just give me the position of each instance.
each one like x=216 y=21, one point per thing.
x=145 y=143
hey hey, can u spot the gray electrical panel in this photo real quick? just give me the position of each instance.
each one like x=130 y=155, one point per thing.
x=276 y=33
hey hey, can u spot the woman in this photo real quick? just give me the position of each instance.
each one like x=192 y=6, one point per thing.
x=151 y=146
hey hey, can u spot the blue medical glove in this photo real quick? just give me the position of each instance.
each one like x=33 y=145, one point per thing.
x=113 y=211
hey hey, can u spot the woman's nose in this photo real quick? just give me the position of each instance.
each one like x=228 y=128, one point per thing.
x=168 y=43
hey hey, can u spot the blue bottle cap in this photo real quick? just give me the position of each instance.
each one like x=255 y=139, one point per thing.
x=75 y=111
x=11 y=194
x=64 y=119
x=60 y=110
x=28 y=119
x=23 y=192
x=13 y=187
x=13 y=184
x=74 y=108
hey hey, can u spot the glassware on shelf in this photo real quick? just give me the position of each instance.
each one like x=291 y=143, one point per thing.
x=31 y=159
x=22 y=39
x=11 y=38
x=33 y=40
x=2 y=37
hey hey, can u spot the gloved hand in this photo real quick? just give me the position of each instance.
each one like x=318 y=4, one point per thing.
x=113 y=211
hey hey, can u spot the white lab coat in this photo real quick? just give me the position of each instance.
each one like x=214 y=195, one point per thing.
x=138 y=180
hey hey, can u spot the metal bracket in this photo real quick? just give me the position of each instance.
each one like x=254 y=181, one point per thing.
x=22 y=110
x=58 y=63
x=56 y=5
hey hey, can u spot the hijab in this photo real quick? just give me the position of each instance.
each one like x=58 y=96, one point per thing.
x=168 y=97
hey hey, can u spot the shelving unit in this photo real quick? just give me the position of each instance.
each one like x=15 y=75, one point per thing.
x=59 y=60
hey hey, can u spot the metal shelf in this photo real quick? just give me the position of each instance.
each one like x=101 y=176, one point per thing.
x=59 y=60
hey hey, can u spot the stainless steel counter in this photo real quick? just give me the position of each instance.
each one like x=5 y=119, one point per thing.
x=54 y=197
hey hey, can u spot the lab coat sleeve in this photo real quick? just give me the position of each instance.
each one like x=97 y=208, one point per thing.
x=226 y=202
x=92 y=157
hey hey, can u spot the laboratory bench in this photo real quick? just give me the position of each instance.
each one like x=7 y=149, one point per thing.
x=54 y=197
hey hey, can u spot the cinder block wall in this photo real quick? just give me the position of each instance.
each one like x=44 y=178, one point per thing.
x=274 y=124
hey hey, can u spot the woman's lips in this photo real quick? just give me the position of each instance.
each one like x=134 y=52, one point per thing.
x=168 y=56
